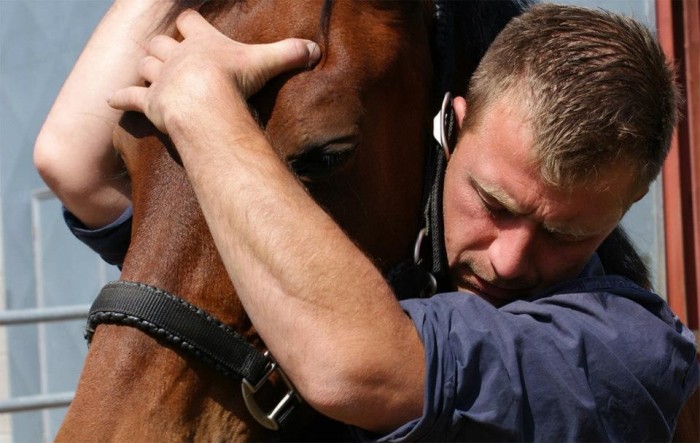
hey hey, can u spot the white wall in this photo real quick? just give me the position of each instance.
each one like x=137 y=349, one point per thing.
x=5 y=423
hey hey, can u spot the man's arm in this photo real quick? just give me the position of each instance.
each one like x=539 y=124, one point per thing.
x=320 y=305
x=74 y=152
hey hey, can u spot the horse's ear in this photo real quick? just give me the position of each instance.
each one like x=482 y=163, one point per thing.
x=445 y=125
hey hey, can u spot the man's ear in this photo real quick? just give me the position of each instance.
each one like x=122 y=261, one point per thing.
x=460 y=107
x=638 y=195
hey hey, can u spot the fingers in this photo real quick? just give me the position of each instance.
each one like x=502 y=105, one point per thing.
x=280 y=56
x=251 y=65
x=292 y=53
x=162 y=47
x=314 y=53
x=297 y=53
x=149 y=68
x=191 y=22
x=132 y=98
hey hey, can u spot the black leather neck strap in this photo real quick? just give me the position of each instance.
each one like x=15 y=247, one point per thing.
x=182 y=325
x=168 y=317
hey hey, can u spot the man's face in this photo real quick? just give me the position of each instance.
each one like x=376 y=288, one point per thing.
x=509 y=235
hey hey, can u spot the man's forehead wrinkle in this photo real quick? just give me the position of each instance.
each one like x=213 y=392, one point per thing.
x=567 y=228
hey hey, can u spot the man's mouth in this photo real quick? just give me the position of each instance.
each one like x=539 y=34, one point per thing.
x=496 y=295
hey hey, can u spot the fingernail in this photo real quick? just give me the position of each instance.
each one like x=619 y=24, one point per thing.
x=314 y=53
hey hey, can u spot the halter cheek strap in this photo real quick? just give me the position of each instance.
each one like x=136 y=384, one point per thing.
x=428 y=272
x=433 y=207
x=416 y=278
x=439 y=152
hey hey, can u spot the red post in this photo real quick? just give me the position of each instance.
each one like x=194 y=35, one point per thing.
x=678 y=24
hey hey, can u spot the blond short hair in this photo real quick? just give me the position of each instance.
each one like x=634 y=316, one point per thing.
x=595 y=85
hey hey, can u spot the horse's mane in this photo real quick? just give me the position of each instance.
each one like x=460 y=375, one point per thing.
x=479 y=21
x=475 y=24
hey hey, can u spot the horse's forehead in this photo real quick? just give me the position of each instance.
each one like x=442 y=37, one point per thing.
x=363 y=44
x=355 y=29
x=265 y=20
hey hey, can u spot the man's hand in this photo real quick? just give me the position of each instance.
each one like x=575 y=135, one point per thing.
x=204 y=69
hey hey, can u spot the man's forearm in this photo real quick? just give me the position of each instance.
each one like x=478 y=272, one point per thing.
x=322 y=308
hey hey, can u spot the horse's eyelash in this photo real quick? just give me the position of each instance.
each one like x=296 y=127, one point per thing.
x=318 y=161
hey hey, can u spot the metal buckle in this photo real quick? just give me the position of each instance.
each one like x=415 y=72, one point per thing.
x=432 y=283
x=268 y=420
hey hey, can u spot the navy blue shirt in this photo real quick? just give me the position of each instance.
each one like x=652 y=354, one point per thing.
x=110 y=242
x=593 y=359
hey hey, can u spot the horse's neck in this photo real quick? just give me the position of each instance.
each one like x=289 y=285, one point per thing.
x=171 y=247
x=134 y=387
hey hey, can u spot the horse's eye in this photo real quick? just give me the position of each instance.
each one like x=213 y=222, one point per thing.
x=321 y=162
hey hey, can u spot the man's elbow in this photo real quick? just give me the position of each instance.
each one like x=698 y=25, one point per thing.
x=378 y=400
x=47 y=161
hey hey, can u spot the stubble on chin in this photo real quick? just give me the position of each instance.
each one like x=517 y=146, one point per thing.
x=465 y=277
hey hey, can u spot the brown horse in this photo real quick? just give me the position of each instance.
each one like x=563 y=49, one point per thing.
x=355 y=129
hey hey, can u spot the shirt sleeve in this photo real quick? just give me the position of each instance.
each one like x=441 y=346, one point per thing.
x=110 y=242
x=569 y=367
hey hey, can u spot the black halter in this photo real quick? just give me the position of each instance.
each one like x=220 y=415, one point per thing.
x=169 y=318
x=416 y=278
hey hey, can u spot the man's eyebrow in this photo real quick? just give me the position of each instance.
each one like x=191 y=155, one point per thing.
x=576 y=233
x=497 y=194
x=492 y=192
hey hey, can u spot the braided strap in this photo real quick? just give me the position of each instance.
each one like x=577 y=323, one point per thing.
x=184 y=326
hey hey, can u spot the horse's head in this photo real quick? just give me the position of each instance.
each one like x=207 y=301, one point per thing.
x=353 y=128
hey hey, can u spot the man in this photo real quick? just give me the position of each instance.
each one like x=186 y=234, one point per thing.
x=566 y=123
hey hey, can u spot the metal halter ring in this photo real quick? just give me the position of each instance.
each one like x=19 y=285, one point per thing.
x=440 y=124
x=432 y=283
x=269 y=420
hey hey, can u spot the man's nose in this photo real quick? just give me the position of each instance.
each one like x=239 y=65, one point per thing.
x=511 y=252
